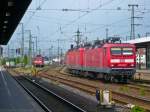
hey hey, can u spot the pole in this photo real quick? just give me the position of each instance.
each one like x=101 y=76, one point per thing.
x=106 y=33
x=61 y=55
x=58 y=49
x=38 y=29
x=8 y=51
x=78 y=40
x=33 y=51
x=22 y=47
x=51 y=52
x=39 y=51
x=8 y=56
x=132 y=33
x=78 y=37
x=36 y=46
x=30 y=48
x=22 y=43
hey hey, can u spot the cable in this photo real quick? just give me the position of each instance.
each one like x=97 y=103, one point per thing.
x=73 y=21
x=121 y=20
x=38 y=8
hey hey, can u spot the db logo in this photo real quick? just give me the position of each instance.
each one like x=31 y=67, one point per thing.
x=121 y=60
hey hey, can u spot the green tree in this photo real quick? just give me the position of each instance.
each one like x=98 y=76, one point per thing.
x=17 y=60
x=3 y=61
x=25 y=60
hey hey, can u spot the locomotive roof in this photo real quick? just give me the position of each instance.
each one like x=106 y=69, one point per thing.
x=104 y=45
x=118 y=45
x=109 y=42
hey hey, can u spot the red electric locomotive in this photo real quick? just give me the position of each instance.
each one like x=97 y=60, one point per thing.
x=106 y=59
x=38 y=61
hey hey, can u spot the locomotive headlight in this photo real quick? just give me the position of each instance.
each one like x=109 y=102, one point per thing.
x=112 y=65
x=132 y=65
x=115 y=60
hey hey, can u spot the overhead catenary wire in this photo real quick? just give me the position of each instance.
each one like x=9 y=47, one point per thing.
x=87 y=10
x=83 y=14
x=34 y=12
x=103 y=26
x=73 y=21
x=116 y=22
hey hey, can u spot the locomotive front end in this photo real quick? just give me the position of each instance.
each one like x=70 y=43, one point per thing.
x=122 y=61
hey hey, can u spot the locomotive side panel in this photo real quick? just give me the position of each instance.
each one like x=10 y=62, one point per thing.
x=111 y=61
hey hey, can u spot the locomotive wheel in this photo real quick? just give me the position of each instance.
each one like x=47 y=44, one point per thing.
x=92 y=75
x=112 y=79
x=116 y=80
x=73 y=72
x=125 y=81
x=104 y=76
x=107 y=77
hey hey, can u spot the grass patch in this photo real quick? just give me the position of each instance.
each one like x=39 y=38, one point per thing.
x=142 y=92
x=124 y=89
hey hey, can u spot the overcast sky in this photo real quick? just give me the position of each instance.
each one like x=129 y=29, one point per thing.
x=47 y=20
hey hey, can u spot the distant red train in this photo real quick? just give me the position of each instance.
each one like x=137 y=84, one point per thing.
x=111 y=61
x=38 y=61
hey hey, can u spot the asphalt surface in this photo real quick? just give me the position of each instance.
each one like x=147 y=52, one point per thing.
x=13 y=98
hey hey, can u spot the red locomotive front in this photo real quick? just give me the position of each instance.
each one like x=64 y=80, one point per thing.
x=121 y=61
x=38 y=61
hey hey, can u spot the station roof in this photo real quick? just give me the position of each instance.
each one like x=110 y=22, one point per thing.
x=140 y=42
x=11 y=12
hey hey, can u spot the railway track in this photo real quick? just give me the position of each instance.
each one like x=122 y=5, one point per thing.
x=89 y=88
x=136 y=85
x=139 y=86
x=48 y=100
x=132 y=85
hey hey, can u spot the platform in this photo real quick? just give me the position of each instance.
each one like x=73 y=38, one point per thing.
x=143 y=71
x=13 y=98
x=142 y=74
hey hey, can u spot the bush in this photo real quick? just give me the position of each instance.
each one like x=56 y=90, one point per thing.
x=137 y=109
x=17 y=60
x=25 y=60
x=3 y=61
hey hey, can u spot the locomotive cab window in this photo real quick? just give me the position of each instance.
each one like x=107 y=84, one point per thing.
x=127 y=51
x=116 y=51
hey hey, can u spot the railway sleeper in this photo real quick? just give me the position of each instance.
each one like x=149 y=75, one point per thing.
x=116 y=78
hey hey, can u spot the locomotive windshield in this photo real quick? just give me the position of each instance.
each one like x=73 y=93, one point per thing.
x=116 y=51
x=127 y=51
x=121 y=51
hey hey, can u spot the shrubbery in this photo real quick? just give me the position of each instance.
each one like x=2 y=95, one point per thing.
x=137 y=109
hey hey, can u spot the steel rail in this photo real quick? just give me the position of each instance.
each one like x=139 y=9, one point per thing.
x=44 y=88
x=117 y=96
x=44 y=107
x=50 y=92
